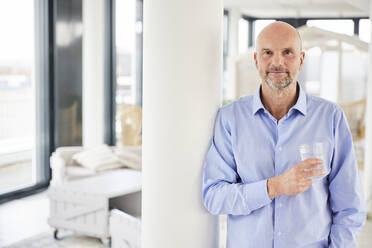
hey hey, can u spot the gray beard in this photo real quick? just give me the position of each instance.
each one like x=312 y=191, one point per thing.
x=282 y=85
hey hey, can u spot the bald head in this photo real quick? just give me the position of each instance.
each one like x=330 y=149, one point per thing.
x=279 y=55
x=278 y=31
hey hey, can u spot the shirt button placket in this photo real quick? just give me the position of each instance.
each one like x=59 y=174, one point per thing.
x=278 y=205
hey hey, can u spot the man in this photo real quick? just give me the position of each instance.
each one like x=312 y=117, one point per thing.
x=253 y=171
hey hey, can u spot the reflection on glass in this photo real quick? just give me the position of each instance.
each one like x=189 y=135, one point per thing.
x=17 y=95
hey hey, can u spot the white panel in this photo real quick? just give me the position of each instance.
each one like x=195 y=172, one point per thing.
x=182 y=91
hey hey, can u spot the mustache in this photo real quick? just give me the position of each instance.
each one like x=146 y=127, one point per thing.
x=276 y=69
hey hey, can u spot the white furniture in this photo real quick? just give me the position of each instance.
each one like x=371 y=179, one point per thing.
x=83 y=205
x=65 y=169
x=125 y=230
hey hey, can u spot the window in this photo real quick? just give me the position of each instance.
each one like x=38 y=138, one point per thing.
x=128 y=48
x=17 y=108
x=339 y=26
x=365 y=30
x=24 y=129
x=243 y=35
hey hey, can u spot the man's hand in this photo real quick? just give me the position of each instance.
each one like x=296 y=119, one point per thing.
x=294 y=181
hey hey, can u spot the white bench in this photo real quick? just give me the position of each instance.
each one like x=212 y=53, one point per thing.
x=84 y=205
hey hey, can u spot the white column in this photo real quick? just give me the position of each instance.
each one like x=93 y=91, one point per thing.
x=93 y=72
x=368 y=141
x=181 y=94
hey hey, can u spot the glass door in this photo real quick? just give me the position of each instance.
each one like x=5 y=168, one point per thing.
x=22 y=137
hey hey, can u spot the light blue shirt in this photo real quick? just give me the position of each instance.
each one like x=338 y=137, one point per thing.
x=249 y=146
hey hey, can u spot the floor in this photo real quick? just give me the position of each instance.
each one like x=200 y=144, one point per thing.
x=23 y=218
x=27 y=217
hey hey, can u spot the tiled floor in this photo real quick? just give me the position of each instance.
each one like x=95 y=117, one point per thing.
x=27 y=217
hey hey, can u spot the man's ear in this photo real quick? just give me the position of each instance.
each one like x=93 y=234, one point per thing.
x=255 y=59
x=302 y=58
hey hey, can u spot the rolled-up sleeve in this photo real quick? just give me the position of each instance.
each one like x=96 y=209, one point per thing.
x=346 y=196
x=221 y=192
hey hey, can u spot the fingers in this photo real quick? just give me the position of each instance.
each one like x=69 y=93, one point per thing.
x=311 y=163
x=303 y=185
x=313 y=173
x=306 y=182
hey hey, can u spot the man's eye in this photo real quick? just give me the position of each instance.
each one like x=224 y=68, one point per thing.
x=287 y=52
x=267 y=52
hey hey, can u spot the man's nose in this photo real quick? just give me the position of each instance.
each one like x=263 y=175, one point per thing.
x=277 y=60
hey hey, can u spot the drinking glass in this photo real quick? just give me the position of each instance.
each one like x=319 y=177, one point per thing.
x=314 y=150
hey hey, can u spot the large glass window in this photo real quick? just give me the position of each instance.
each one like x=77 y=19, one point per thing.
x=339 y=26
x=128 y=47
x=17 y=96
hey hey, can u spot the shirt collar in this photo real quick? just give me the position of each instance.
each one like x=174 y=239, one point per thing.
x=257 y=104
x=300 y=105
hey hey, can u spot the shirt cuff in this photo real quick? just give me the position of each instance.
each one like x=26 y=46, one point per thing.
x=258 y=194
x=266 y=193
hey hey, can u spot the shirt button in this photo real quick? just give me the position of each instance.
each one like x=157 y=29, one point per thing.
x=280 y=205
x=280 y=148
x=279 y=233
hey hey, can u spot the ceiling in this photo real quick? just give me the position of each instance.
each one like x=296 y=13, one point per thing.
x=300 y=8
